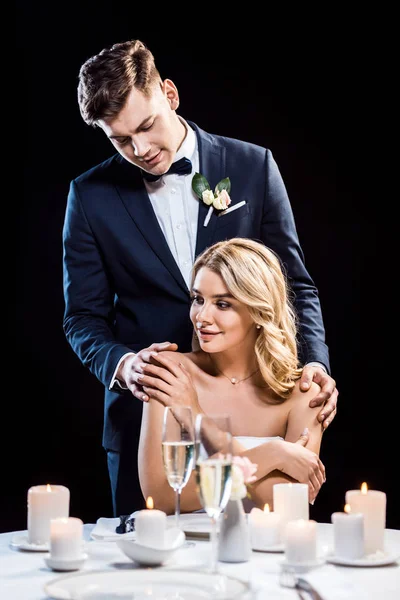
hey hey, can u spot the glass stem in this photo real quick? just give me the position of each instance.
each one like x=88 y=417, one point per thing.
x=177 y=506
x=214 y=545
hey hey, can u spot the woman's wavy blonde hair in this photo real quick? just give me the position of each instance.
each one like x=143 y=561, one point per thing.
x=254 y=275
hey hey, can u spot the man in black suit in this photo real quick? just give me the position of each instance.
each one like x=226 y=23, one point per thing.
x=133 y=229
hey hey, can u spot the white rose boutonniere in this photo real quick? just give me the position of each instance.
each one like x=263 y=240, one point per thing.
x=242 y=474
x=218 y=199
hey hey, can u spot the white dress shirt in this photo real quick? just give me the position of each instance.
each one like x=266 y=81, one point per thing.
x=176 y=207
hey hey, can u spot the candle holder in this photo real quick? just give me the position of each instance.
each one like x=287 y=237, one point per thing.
x=65 y=564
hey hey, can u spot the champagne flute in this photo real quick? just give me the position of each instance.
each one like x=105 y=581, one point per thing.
x=213 y=470
x=178 y=450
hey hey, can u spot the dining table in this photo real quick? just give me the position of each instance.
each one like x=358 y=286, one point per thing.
x=24 y=575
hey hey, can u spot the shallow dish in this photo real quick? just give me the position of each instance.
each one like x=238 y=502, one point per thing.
x=151 y=557
x=378 y=560
x=20 y=542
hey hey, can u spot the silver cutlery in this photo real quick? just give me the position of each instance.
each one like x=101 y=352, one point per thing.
x=288 y=578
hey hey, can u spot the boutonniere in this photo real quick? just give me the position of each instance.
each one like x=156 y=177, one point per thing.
x=218 y=199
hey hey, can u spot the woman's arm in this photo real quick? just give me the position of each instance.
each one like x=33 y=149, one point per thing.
x=293 y=462
x=153 y=481
x=167 y=385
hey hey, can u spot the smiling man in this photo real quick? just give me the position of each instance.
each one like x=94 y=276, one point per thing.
x=133 y=228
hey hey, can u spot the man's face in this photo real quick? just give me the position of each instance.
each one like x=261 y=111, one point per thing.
x=147 y=132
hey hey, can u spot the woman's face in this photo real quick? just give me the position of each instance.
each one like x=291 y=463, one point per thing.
x=220 y=321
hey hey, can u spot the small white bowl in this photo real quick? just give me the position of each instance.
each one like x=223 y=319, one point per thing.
x=146 y=555
x=60 y=564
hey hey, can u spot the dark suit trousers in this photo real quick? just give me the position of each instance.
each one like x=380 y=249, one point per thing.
x=123 y=472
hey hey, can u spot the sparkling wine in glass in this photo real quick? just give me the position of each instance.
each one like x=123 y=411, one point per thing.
x=213 y=470
x=178 y=450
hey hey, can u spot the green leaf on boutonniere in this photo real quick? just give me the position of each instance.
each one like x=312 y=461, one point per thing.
x=200 y=185
x=224 y=184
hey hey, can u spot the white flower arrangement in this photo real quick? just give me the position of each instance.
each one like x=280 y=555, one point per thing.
x=243 y=473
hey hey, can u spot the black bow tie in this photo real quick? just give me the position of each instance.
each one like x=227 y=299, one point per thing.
x=182 y=166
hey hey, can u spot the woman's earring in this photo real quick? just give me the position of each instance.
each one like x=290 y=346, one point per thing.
x=258 y=326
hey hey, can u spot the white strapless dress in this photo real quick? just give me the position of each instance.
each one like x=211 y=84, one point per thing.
x=252 y=442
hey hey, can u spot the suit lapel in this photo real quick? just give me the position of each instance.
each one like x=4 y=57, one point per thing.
x=136 y=200
x=212 y=166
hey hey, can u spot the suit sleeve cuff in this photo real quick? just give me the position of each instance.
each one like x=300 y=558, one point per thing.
x=115 y=384
x=316 y=364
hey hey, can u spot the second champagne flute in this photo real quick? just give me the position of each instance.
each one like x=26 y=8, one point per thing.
x=213 y=470
x=178 y=450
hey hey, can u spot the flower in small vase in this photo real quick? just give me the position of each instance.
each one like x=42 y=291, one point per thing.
x=242 y=474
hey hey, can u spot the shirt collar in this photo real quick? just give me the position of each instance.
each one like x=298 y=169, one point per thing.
x=189 y=144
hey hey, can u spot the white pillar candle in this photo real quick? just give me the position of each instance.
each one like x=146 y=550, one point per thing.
x=372 y=504
x=348 y=534
x=265 y=528
x=45 y=502
x=291 y=502
x=300 y=541
x=150 y=526
x=66 y=537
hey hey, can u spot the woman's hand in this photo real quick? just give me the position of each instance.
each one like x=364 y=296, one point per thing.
x=169 y=383
x=133 y=364
x=303 y=465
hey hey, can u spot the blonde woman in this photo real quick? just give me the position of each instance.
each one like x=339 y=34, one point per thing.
x=246 y=365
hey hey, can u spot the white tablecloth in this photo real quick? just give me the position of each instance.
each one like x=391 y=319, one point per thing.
x=24 y=574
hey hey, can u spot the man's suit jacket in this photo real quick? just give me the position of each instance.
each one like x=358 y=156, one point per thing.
x=123 y=289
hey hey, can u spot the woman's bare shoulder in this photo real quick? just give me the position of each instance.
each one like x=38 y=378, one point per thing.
x=299 y=397
x=191 y=360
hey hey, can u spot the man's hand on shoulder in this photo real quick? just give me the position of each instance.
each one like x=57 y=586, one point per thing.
x=327 y=395
x=132 y=366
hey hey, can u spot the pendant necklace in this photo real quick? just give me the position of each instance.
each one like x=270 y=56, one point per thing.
x=233 y=380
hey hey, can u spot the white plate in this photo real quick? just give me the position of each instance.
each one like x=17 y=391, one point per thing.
x=277 y=548
x=145 y=555
x=304 y=566
x=20 y=542
x=378 y=560
x=104 y=531
x=58 y=564
x=193 y=524
x=142 y=584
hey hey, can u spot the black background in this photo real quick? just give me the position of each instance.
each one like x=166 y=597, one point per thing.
x=310 y=88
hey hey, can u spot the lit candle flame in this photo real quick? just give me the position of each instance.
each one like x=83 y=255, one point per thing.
x=266 y=508
x=347 y=508
x=364 y=488
x=150 y=502
x=48 y=488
